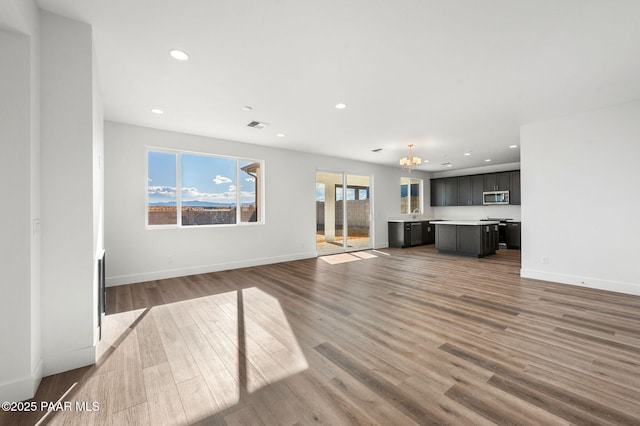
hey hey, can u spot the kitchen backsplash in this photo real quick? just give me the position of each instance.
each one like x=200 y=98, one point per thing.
x=476 y=212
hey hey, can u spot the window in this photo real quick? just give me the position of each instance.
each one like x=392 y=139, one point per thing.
x=161 y=188
x=410 y=195
x=214 y=190
x=353 y=193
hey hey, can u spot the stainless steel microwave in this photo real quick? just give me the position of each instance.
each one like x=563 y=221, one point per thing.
x=495 y=197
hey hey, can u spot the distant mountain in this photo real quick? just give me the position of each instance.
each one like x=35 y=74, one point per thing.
x=197 y=204
x=165 y=204
x=206 y=204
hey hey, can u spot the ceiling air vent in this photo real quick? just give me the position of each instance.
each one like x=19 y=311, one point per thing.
x=257 y=124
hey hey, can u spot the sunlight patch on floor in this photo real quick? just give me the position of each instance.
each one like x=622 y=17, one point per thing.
x=183 y=362
x=335 y=259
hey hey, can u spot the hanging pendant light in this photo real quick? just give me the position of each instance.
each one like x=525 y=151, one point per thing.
x=407 y=163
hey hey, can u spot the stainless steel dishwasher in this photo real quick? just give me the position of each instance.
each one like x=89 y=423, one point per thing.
x=416 y=233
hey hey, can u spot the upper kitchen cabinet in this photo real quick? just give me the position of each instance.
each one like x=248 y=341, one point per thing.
x=470 y=190
x=514 y=194
x=467 y=190
x=444 y=192
x=437 y=192
x=464 y=190
x=477 y=188
x=451 y=191
x=497 y=181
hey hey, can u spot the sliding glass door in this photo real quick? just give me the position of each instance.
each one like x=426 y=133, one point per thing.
x=343 y=212
x=358 y=214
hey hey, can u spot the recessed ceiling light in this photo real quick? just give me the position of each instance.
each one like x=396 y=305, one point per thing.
x=280 y=135
x=513 y=146
x=157 y=111
x=467 y=153
x=247 y=108
x=341 y=106
x=487 y=160
x=449 y=165
x=179 y=55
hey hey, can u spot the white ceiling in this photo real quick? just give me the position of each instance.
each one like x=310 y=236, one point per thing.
x=449 y=76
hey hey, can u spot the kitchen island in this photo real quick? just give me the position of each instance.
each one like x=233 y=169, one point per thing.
x=467 y=237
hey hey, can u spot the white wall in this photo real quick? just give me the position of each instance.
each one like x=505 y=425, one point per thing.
x=477 y=212
x=15 y=244
x=98 y=186
x=136 y=254
x=20 y=350
x=69 y=237
x=494 y=168
x=580 y=203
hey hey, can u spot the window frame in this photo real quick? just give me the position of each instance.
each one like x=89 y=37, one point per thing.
x=411 y=181
x=259 y=200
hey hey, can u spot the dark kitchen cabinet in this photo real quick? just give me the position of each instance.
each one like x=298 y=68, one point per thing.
x=409 y=234
x=514 y=194
x=451 y=191
x=428 y=233
x=477 y=188
x=467 y=240
x=513 y=235
x=470 y=190
x=437 y=192
x=467 y=190
x=464 y=190
x=495 y=236
x=497 y=181
x=490 y=239
x=447 y=238
x=444 y=192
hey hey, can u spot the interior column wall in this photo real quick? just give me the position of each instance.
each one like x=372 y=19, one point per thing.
x=15 y=217
x=68 y=263
x=20 y=322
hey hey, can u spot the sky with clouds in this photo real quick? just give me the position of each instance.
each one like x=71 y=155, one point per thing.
x=204 y=178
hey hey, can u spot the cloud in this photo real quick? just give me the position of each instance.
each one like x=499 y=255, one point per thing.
x=149 y=179
x=229 y=196
x=161 y=193
x=161 y=190
x=221 y=179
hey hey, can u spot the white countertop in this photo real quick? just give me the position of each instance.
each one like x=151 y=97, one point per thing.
x=466 y=222
x=418 y=219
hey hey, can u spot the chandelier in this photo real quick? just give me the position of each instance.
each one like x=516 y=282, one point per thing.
x=407 y=163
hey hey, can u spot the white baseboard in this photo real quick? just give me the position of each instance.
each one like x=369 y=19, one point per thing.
x=22 y=389
x=57 y=363
x=618 y=287
x=203 y=269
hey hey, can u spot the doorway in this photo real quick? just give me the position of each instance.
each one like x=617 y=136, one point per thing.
x=343 y=212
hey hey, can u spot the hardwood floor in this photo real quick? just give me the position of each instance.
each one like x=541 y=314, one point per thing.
x=412 y=337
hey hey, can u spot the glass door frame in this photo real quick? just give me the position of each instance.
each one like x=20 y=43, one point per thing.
x=345 y=225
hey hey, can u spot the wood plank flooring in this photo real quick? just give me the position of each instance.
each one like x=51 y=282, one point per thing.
x=413 y=337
